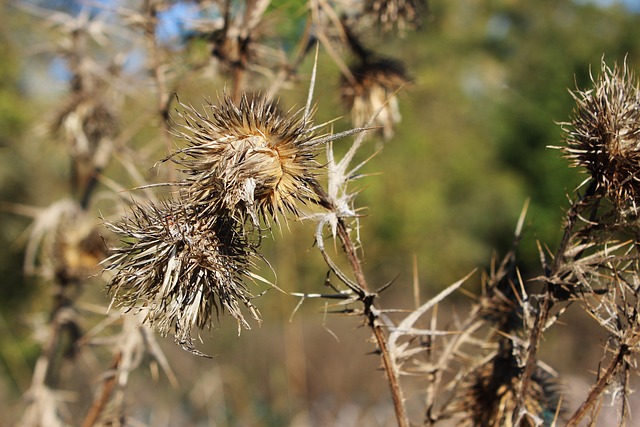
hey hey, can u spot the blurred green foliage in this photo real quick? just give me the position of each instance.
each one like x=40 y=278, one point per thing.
x=15 y=183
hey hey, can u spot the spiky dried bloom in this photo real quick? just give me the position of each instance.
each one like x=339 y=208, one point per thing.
x=603 y=135
x=372 y=93
x=249 y=158
x=401 y=14
x=84 y=120
x=77 y=248
x=179 y=270
x=64 y=243
x=236 y=36
x=490 y=395
x=88 y=124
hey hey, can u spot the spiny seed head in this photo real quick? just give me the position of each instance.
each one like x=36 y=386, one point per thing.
x=249 y=158
x=77 y=248
x=489 y=396
x=603 y=135
x=64 y=244
x=180 y=271
x=400 y=14
x=373 y=91
x=84 y=120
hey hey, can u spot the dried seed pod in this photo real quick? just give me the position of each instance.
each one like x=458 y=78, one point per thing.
x=603 y=135
x=89 y=125
x=180 y=271
x=490 y=395
x=249 y=158
x=237 y=37
x=372 y=93
x=78 y=248
x=400 y=14
x=64 y=244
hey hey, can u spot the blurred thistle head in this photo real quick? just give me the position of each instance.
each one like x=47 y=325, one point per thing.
x=180 y=268
x=78 y=248
x=399 y=14
x=490 y=395
x=64 y=244
x=84 y=120
x=249 y=158
x=235 y=34
x=370 y=92
x=603 y=135
x=88 y=124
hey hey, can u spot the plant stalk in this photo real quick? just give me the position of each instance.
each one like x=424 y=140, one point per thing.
x=372 y=317
x=599 y=387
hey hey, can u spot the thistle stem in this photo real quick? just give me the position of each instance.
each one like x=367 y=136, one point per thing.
x=548 y=299
x=599 y=387
x=372 y=320
x=101 y=401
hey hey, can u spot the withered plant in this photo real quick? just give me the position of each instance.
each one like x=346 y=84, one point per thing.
x=178 y=247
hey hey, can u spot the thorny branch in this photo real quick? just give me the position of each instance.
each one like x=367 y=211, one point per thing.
x=371 y=313
x=599 y=387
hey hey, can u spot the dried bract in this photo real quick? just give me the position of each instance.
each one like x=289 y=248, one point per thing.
x=64 y=244
x=372 y=93
x=249 y=158
x=180 y=271
x=603 y=135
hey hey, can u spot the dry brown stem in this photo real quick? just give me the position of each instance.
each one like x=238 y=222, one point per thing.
x=101 y=400
x=599 y=387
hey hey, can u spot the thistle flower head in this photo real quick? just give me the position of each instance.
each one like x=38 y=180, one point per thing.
x=78 y=248
x=249 y=158
x=64 y=243
x=490 y=395
x=180 y=268
x=400 y=14
x=603 y=135
x=84 y=120
x=372 y=93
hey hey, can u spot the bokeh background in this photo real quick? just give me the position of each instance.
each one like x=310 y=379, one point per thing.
x=491 y=82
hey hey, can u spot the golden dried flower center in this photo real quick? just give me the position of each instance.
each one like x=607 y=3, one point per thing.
x=623 y=143
x=260 y=161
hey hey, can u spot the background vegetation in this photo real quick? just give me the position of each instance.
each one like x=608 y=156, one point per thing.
x=489 y=84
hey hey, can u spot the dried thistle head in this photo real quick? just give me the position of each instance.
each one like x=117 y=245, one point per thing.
x=78 y=248
x=490 y=395
x=249 y=158
x=400 y=14
x=88 y=124
x=180 y=268
x=85 y=119
x=236 y=36
x=64 y=243
x=372 y=93
x=603 y=135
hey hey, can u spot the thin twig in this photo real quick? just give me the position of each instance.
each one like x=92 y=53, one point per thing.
x=101 y=401
x=599 y=387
